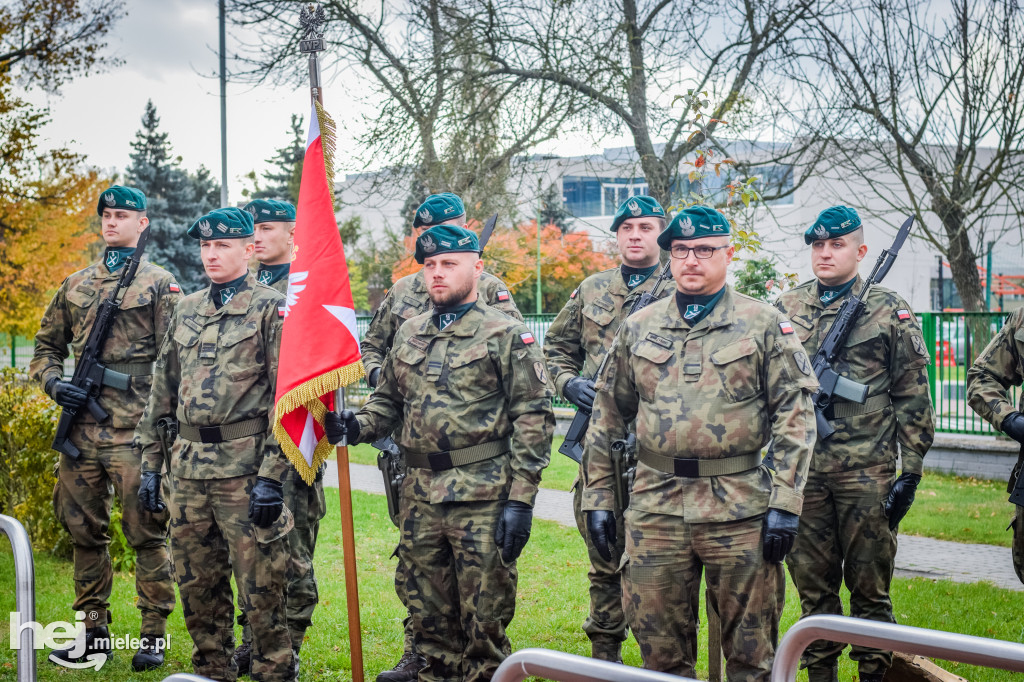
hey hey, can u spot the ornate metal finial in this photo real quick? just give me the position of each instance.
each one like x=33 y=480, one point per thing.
x=312 y=19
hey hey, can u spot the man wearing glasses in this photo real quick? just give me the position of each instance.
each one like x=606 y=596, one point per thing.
x=709 y=376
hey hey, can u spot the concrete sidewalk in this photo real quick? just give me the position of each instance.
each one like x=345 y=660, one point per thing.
x=916 y=557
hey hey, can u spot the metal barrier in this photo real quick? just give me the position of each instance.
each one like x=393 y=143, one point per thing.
x=186 y=677
x=563 y=667
x=992 y=653
x=25 y=594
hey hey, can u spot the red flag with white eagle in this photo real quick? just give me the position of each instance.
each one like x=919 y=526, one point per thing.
x=319 y=345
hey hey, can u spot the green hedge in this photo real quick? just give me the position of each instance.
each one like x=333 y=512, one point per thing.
x=28 y=420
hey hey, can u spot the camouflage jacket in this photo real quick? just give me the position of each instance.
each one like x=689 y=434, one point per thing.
x=579 y=337
x=720 y=389
x=885 y=351
x=482 y=379
x=407 y=298
x=134 y=339
x=997 y=369
x=280 y=286
x=218 y=367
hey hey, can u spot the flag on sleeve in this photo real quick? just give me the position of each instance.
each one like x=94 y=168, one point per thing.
x=319 y=344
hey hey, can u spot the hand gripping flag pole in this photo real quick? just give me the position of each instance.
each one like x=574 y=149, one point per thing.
x=312 y=375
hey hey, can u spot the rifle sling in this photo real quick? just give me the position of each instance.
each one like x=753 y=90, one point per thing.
x=223 y=432
x=845 y=408
x=440 y=461
x=699 y=468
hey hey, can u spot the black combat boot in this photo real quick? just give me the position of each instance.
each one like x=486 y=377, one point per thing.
x=406 y=670
x=823 y=673
x=97 y=641
x=150 y=655
x=243 y=658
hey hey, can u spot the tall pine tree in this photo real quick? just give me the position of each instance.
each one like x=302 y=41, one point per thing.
x=175 y=198
x=286 y=168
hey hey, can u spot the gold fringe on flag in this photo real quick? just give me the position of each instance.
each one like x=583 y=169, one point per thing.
x=308 y=395
x=329 y=139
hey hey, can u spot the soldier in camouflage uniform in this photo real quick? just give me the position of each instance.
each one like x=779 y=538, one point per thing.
x=997 y=369
x=274 y=239
x=853 y=500
x=215 y=374
x=574 y=346
x=466 y=387
x=709 y=376
x=82 y=496
x=407 y=298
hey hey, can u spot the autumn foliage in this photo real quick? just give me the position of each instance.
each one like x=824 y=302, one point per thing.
x=511 y=254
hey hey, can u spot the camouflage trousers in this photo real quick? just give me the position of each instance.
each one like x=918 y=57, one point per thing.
x=82 y=501
x=211 y=536
x=845 y=537
x=308 y=506
x=605 y=625
x=662 y=569
x=461 y=596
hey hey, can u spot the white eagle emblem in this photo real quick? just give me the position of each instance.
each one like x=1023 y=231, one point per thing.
x=686 y=227
x=428 y=245
x=425 y=215
x=634 y=207
x=821 y=232
x=251 y=210
x=294 y=288
x=108 y=199
x=205 y=229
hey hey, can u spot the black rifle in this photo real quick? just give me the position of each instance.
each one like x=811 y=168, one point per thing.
x=1016 y=487
x=167 y=431
x=624 y=466
x=389 y=461
x=572 y=446
x=831 y=384
x=90 y=374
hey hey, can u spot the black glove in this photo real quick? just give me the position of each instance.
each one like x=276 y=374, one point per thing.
x=373 y=377
x=1013 y=426
x=266 y=501
x=338 y=426
x=601 y=526
x=67 y=394
x=779 y=533
x=580 y=392
x=149 y=493
x=901 y=496
x=513 y=530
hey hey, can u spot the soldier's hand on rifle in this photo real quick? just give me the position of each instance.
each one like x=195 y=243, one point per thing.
x=779 y=534
x=266 y=502
x=67 y=394
x=1013 y=426
x=601 y=526
x=513 y=529
x=901 y=496
x=580 y=392
x=344 y=425
x=149 y=493
x=373 y=377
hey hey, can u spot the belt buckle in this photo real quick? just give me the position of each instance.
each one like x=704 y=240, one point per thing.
x=687 y=468
x=210 y=434
x=439 y=461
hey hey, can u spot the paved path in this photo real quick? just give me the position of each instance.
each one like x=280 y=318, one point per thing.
x=917 y=556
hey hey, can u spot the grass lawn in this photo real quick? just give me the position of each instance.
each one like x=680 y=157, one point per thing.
x=552 y=605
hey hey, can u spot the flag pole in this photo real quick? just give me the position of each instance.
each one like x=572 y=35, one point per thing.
x=312 y=18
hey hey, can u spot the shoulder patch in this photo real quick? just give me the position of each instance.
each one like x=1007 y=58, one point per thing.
x=786 y=327
x=903 y=314
x=174 y=288
x=538 y=369
x=280 y=311
x=527 y=338
x=503 y=295
x=574 y=292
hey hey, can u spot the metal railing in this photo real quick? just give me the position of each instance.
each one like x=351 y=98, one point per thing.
x=991 y=653
x=24 y=594
x=563 y=667
x=186 y=677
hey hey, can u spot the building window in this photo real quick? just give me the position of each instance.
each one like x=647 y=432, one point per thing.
x=587 y=197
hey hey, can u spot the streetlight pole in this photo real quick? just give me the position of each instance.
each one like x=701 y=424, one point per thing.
x=223 y=112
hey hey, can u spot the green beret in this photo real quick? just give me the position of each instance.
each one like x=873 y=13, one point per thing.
x=833 y=222
x=270 y=211
x=223 y=223
x=121 y=197
x=635 y=207
x=693 y=223
x=438 y=208
x=445 y=239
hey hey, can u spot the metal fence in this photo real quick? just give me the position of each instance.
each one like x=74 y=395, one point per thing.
x=24 y=595
x=955 y=340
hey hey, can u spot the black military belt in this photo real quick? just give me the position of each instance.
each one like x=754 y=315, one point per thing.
x=440 y=461
x=845 y=408
x=700 y=468
x=219 y=434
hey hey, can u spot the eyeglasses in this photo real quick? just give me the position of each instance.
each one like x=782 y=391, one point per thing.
x=703 y=252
